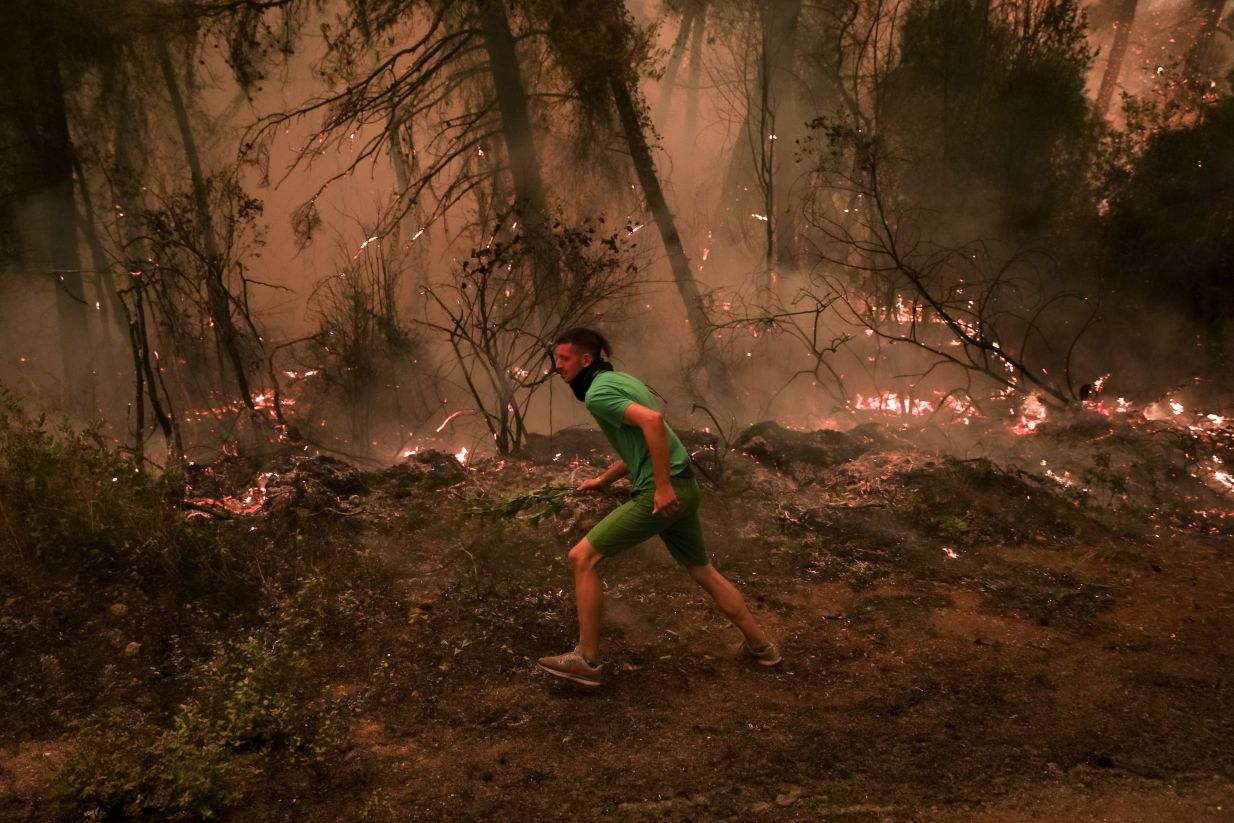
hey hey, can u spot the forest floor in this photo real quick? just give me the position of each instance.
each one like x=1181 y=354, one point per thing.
x=963 y=641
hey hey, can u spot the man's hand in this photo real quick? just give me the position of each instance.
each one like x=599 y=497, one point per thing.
x=595 y=484
x=665 y=502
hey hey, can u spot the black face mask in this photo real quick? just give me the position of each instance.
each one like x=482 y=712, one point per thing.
x=582 y=381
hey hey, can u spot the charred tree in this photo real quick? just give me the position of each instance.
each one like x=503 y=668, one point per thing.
x=696 y=75
x=530 y=201
x=54 y=148
x=1118 y=52
x=599 y=48
x=148 y=386
x=771 y=121
x=218 y=299
x=780 y=50
x=1203 y=60
x=683 y=278
x=668 y=83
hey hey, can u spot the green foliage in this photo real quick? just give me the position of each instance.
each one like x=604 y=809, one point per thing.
x=256 y=694
x=70 y=501
x=986 y=105
x=1171 y=220
x=595 y=42
x=551 y=496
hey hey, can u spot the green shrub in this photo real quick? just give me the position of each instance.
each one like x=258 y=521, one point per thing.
x=257 y=695
x=71 y=500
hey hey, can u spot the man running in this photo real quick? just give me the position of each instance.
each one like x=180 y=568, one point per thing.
x=664 y=502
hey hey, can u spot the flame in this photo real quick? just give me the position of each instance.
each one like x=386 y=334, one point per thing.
x=894 y=404
x=1032 y=415
x=461 y=456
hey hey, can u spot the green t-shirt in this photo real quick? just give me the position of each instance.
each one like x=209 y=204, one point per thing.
x=610 y=395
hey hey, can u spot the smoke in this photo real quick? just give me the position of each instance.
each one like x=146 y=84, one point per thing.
x=802 y=339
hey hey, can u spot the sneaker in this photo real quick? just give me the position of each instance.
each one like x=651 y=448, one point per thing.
x=768 y=655
x=572 y=666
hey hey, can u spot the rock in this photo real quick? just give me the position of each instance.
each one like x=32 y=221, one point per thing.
x=132 y=649
x=119 y=609
x=788 y=795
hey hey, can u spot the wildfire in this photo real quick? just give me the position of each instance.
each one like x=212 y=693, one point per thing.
x=894 y=404
x=1032 y=415
x=252 y=501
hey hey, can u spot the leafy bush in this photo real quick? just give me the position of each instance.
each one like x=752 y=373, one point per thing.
x=71 y=501
x=256 y=695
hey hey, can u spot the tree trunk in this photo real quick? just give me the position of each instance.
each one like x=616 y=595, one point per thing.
x=780 y=46
x=762 y=158
x=1203 y=57
x=56 y=160
x=674 y=63
x=106 y=304
x=530 y=201
x=687 y=287
x=1118 y=51
x=696 y=76
x=218 y=300
x=411 y=225
x=147 y=386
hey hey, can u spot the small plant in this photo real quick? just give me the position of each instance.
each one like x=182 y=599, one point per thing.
x=256 y=694
x=551 y=497
x=72 y=501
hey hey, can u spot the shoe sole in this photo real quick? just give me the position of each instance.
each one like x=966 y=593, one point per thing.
x=573 y=678
x=762 y=661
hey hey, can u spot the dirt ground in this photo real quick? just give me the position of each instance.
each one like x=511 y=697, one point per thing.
x=1069 y=674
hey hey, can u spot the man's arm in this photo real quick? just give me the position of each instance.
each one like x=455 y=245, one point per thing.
x=616 y=470
x=651 y=422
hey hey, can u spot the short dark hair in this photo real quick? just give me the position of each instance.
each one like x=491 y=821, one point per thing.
x=585 y=340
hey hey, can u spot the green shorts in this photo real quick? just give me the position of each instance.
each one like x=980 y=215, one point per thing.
x=632 y=522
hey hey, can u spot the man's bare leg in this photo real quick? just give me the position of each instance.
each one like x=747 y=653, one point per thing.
x=588 y=597
x=730 y=602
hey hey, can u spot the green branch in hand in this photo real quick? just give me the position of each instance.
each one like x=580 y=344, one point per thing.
x=550 y=498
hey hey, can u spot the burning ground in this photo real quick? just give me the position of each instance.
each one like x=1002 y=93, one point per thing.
x=1038 y=633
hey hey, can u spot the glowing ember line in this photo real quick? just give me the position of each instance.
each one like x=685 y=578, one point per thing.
x=894 y=404
x=451 y=417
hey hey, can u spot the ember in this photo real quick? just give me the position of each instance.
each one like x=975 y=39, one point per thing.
x=1032 y=415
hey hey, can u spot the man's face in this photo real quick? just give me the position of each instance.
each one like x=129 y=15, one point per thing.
x=570 y=361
